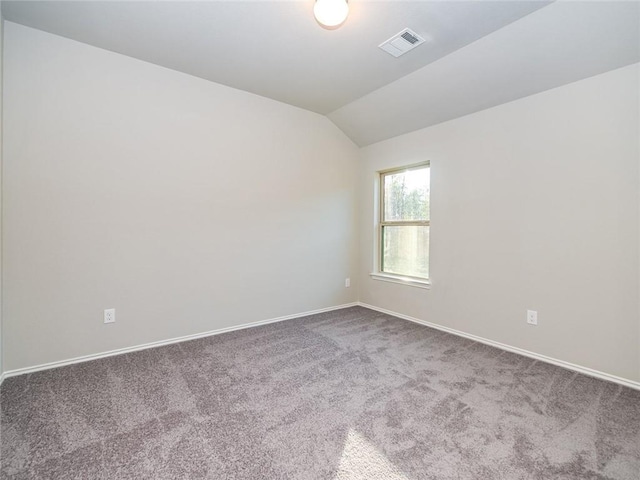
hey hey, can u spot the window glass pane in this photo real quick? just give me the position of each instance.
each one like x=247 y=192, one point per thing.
x=406 y=195
x=406 y=250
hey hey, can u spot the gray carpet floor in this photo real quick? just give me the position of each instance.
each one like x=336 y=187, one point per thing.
x=348 y=394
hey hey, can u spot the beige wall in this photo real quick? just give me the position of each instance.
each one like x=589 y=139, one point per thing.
x=534 y=206
x=185 y=205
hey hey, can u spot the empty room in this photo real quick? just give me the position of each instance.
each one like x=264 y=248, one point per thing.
x=217 y=253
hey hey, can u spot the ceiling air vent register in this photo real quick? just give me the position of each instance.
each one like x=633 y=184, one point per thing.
x=402 y=42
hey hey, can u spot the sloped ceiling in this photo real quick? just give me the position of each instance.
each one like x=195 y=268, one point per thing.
x=478 y=54
x=559 y=44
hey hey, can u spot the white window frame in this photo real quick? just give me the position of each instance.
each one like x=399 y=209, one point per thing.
x=377 y=273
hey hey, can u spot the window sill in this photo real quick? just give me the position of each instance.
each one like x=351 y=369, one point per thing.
x=412 y=282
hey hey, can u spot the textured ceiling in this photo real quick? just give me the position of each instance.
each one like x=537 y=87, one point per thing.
x=478 y=54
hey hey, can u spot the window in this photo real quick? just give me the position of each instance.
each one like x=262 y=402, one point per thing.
x=404 y=224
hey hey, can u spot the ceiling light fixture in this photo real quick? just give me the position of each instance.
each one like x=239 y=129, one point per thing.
x=331 y=13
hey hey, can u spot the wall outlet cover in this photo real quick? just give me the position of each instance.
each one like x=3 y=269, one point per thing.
x=110 y=315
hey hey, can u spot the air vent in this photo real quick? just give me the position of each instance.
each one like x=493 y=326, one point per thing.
x=410 y=38
x=402 y=42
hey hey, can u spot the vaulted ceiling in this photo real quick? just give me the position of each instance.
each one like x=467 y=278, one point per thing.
x=478 y=54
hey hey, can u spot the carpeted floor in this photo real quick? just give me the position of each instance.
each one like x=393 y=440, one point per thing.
x=349 y=394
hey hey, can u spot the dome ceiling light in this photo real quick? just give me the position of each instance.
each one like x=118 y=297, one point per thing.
x=331 y=14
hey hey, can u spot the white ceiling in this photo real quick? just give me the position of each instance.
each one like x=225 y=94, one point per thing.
x=559 y=44
x=478 y=54
x=273 y=49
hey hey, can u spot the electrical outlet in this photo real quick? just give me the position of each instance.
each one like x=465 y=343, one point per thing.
x=347 y=282
x=532 y=317
x=110 y=315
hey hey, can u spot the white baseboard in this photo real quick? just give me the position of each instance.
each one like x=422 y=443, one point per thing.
x=543 y=358
x=145 y=346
